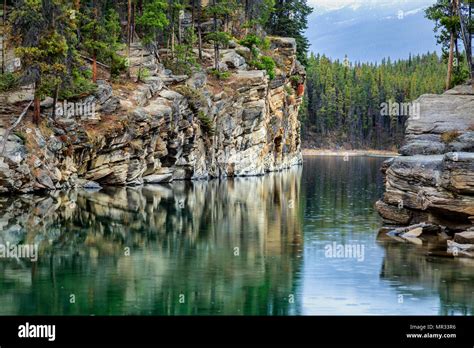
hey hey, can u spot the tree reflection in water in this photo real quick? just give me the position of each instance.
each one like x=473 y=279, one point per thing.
x=241 y=246
x=218 y=247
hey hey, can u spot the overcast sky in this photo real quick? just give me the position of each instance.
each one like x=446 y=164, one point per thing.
x=335 y=4
x=370 y=30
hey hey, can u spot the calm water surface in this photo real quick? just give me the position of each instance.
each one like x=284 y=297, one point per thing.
x=254 y=246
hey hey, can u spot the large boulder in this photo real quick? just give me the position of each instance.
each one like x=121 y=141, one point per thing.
x=233 y=60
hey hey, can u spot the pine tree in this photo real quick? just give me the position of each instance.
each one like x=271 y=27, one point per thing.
x=219 y=38
x=40 y=30
x=100 y=36
x=344 y=102
x=448 y=28
x=290 y=19
x=153 y=19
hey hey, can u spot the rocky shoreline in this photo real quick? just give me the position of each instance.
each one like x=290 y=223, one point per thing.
x=165 y=128
x=432 y=182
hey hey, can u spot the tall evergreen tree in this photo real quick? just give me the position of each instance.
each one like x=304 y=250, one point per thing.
x=290 y=19
x=41 y=30
x=448 y=28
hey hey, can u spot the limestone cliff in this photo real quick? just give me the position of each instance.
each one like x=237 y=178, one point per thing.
x=433 y=180
x=166 y=128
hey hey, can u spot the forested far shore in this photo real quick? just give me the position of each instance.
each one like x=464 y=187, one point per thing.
x=365 y=105
x=345 y=101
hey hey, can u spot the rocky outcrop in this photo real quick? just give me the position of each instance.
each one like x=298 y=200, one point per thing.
x=433 y=181
x=166 y=128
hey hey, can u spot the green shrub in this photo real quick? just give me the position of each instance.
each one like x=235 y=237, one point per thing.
x=296 y=80
x=182 y=61
x=78 y=85
x=20 y=135
x=265 y=63
x=269 y=66
x=143 y=73
x=252 y=41
x=220 y=75
x=195 y=97
x=118 y=65
x=8 y=81
x=220 y=38
x=206 y=123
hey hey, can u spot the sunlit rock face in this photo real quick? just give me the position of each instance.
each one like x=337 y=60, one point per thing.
x=168 y=127
x=433 y=180
x=229 y=246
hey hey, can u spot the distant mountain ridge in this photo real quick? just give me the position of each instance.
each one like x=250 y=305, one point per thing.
x=371 y=31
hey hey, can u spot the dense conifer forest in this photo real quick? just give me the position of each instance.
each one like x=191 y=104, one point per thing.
x=345 y=100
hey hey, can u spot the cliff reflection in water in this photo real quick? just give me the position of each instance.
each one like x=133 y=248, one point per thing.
x=183 y=237
x=230 y=247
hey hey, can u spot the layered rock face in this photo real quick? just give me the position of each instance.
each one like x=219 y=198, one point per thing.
x=167 y=128
x=433 y=180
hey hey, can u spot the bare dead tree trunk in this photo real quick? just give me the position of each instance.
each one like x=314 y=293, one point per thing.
x=180 y=29
x=37 y=110
x=55 y=100
x=129 y=23
x=247 y=15
x=97 y=62
x=94 y=54
x=133 y=20
x=172 y=32
x=216 y=44
x=193 y=14
x=450 y=62
x=9 y=130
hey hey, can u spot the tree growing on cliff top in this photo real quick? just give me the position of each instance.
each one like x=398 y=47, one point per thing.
x=153 y=19
x=100 y=35
x=258 y=12
x=218 y=11
x=42 y=31
x=448 y=28
x=290 y=18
